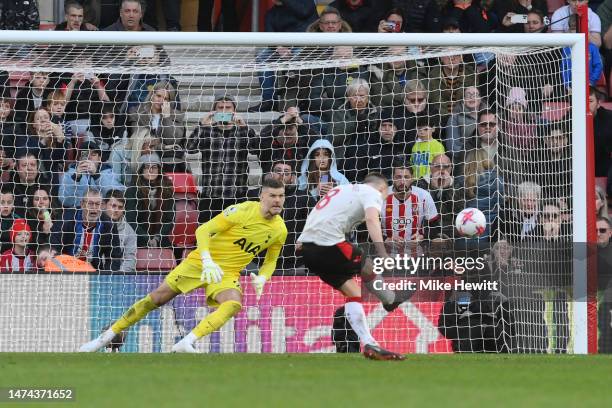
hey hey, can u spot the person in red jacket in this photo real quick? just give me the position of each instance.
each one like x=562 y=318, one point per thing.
x=18 y=258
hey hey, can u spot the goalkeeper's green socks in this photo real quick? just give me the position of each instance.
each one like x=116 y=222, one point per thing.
x=134 y=314
x=218 y=318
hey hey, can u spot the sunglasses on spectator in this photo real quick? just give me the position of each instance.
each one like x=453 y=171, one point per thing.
x=602 y=230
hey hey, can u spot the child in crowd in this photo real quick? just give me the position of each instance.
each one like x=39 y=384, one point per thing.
x=425 y=147
x=19 y=258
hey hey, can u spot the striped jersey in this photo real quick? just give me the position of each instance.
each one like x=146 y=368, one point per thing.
x=403 y=219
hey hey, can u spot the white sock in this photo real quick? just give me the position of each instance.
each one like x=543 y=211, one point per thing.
x=356 y=317
x=386 y=296
x=108 y=335
x=190 y=338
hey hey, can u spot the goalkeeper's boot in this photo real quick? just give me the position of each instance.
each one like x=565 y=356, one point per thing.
x=183 y=346
x=374 y=352
x=99 y=342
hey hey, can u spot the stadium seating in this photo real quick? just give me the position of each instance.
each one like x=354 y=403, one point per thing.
x=155 y=259
x=186 y=209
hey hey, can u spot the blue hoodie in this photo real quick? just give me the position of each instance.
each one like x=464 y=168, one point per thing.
x=71 y=191
x=337 y=177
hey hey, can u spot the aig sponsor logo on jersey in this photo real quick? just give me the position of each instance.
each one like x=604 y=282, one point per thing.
x=248 y=247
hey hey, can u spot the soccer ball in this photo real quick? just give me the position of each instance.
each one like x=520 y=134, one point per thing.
x=470 y=222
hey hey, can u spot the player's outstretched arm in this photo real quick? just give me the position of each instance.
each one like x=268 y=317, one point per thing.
x=372 y=219
x=268 y=267
x=211 y=272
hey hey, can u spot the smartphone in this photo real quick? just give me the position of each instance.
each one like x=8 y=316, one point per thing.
x=518 y=19
x=395 y=27
x=324 y=178
x=84 y=155
x=145 y=52
x=223 y=117
x=88 y=75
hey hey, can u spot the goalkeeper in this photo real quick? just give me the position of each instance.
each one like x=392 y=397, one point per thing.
x=226 y=244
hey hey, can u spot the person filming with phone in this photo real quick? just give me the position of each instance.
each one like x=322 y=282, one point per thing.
x=88 y=172
x=319 y=171
x=514 y=13
x=224 y=140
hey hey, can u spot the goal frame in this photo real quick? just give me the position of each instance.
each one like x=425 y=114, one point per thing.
x=580 y=327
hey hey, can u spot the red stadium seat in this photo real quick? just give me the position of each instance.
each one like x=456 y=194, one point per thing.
x=183 y=183
x=554 y=111
x=185 y=223
x=155 y=259
x=186 y=218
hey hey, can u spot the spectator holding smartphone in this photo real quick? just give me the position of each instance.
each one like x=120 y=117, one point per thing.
x=510 y=10
x=224 y=140
x=392 y=22
x=49 y=139
x=85 y=92
x=88 y=172
x=160 y=115
x=319 y=172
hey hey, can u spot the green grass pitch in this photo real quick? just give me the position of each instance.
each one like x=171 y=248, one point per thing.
x=312 y=380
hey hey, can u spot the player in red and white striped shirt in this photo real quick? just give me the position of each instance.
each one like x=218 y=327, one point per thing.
x=408 y=212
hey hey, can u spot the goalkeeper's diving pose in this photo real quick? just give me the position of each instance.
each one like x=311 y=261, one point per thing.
x=225 y=245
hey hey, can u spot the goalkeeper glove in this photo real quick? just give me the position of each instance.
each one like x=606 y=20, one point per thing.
x=258 y=282
x=211 y=272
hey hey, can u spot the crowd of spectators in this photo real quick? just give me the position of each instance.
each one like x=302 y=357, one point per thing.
x=85 y=156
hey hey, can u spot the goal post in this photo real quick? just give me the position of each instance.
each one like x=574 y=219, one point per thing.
x=296 y=315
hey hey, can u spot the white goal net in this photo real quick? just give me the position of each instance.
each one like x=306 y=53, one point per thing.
x=113 y=155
